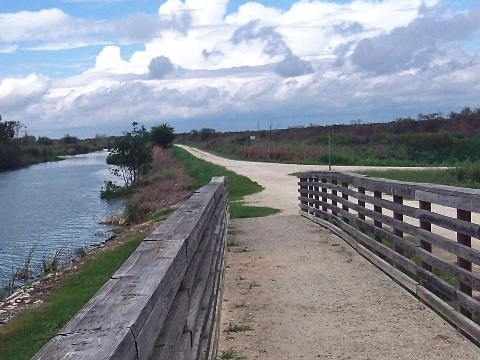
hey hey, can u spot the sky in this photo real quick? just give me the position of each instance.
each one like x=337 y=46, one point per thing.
x=91 y=67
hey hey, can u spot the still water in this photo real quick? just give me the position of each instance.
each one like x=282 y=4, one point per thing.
x=50 y=207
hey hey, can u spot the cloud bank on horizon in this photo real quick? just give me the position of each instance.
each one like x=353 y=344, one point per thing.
x=94 y=66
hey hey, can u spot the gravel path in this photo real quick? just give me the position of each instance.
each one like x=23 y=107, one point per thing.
x=296 y=291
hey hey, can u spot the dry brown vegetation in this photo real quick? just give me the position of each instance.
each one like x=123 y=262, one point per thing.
x=167 y=184
x=431 y=139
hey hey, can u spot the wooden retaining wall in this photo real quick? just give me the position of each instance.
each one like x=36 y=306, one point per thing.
x=163 y=303
x=424 y=236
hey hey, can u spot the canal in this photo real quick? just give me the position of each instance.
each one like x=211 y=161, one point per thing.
x=52 y=208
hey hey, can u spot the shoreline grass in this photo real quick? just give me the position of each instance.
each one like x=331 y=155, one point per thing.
x=29 y=331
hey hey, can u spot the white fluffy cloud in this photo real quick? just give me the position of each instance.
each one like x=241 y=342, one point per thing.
x=19 y=93
x=319 y=61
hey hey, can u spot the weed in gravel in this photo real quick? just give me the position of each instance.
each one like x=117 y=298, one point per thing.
x=234 y=328
x=239 y=306
x=230 y=354
x=253 y=284
x=232 y=243
x=241 y=249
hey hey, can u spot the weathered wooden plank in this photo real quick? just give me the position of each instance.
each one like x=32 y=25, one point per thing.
x=458 y=198
x=201 y=284
x=183 y=346
x=454 y=270
x=201 y=331
x=434 y=282
x=213 y=322
x=443 y=221
x=468 y=303
x=101 y=345
x=148 y=333
x=467 y=325
x=463 y=251
x=173 y=327
x=391 y=254
x=204 y=326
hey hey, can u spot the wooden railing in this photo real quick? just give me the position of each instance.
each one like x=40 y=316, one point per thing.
x=424 y=236
x=163 y=303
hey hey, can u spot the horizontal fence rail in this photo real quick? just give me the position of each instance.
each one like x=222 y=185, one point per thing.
x=426 y=237
x=163 y=303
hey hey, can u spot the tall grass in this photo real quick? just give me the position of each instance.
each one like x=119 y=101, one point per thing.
x=25 y=335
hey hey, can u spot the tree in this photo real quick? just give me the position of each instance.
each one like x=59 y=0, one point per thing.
x=131 y=156
x=9 y=129
x=163 y=135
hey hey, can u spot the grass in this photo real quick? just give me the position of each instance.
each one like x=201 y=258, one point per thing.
x=230 y=354
x=160 y=215
x=25 y=335
x=463 y=176
x=234 y=328
x=238 y=186
x=240 y=211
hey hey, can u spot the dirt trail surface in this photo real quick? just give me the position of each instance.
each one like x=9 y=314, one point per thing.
x=293 y=290
x=280 y=186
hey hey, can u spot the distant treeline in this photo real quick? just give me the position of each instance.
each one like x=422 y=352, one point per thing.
x=21 y=150
x=431 y=139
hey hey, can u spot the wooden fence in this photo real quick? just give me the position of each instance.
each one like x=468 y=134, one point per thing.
x=424 y=236
x=163 y=303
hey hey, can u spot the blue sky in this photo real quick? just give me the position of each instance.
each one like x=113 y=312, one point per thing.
x=87 y=67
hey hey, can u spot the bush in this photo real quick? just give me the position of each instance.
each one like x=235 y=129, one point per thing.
x=114 y=191
x=163 y=135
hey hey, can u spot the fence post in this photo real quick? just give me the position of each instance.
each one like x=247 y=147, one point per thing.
x=425 y=225
x=377 y=223
x=465 y=264
x=397 y=199
x=303 y=193
x=361 y=215
x=345 y=207
x=311 y=202
x=324 y=198
x=334 y=193
x=316 y=196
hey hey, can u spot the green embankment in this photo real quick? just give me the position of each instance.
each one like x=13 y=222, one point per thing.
x=238 y=186
x=26 y=334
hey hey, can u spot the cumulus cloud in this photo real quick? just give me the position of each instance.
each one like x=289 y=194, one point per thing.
x=20 y=92
x=160 y=67
x=412 y=46
x=273 y=43
x=292 y=66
